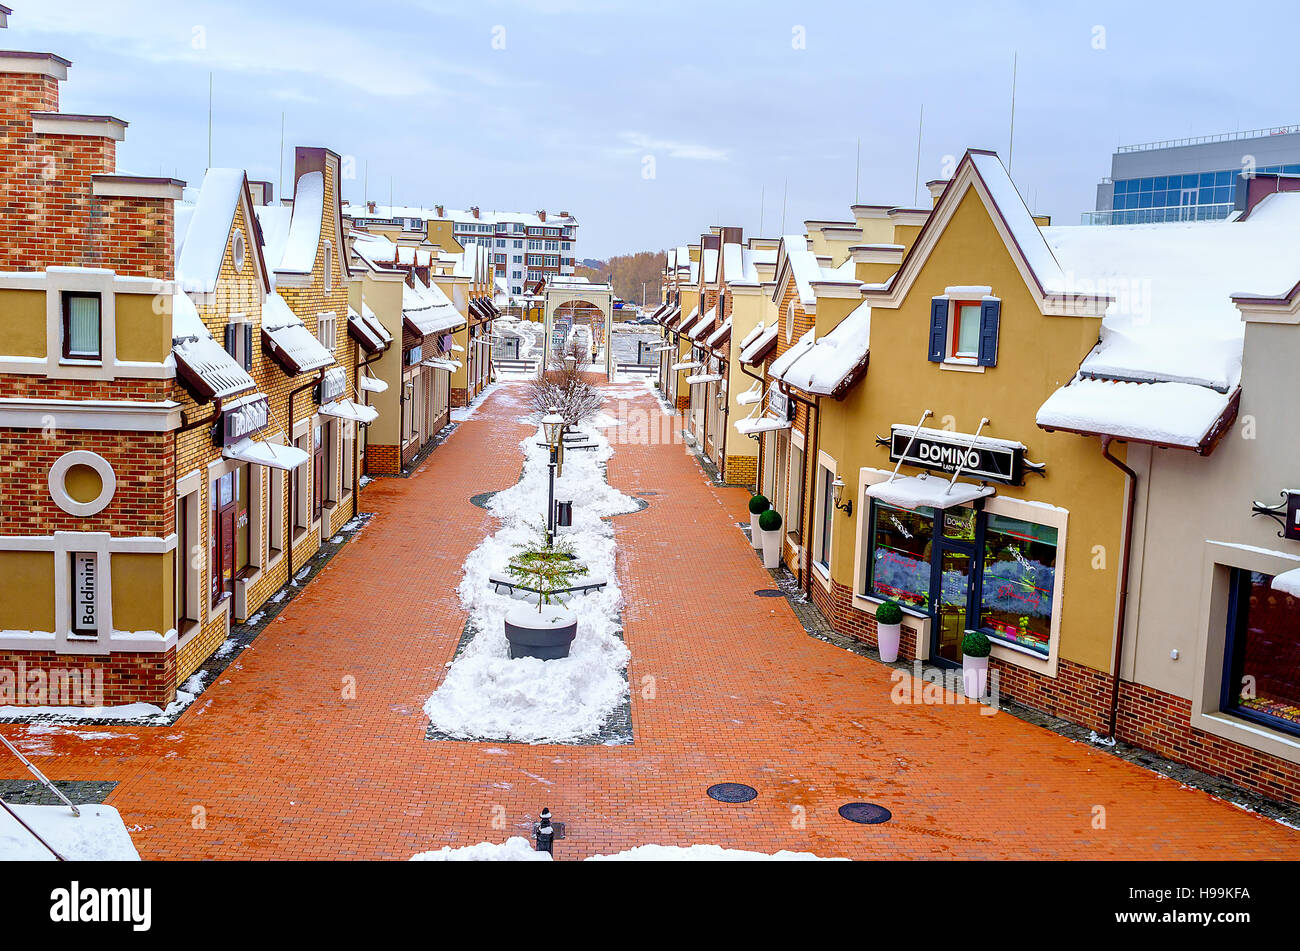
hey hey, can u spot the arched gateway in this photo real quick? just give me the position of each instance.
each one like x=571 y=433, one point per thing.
x=579 y=312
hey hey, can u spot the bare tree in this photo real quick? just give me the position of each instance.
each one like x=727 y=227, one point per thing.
x=565 y=387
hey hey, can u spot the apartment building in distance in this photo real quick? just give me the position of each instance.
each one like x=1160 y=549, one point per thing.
x=525 y=247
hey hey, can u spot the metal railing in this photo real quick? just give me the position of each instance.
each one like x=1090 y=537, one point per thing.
x=1148 y=216
x=1205 y=139
x=48 y=785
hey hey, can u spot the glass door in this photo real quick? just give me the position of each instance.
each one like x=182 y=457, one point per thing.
x=950 y=623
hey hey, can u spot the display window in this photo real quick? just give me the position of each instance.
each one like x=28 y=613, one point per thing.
x=901 y=546
x=1019 y=579
x=1262 y=666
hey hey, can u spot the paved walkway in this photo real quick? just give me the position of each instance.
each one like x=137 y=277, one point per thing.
x=272 y=762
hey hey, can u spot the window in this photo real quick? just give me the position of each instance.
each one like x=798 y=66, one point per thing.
x=81 y=326
x=275 y=528
x=965 y=330
x=1019 y=580
x=1262 y=666
x=827 y=502
x=327 y=330
x=794 y=506
x=898 y=565
x=789 y=322
x=239 y=340
x=301 y=487
x=239 y=250
x=329 y=269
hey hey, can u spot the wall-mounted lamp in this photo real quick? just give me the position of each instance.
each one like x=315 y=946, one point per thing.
x=837 y=487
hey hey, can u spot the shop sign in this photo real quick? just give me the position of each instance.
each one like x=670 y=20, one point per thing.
x=778 y=403
x=414 y=355
x=332 y=385
x=248 y=417
x=949 y=452
x=84 y=589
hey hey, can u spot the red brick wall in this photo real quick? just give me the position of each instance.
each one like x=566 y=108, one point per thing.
x=126 y=678
x=383 y=460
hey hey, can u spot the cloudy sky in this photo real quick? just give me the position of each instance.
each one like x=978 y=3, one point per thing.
x=651 y=121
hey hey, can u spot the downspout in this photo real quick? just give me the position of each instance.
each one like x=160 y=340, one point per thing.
x=363 y=468
x=1131 y=476
x=288 y=522
x=183 y=428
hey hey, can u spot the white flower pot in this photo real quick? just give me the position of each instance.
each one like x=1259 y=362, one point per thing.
x=887 y=639
x=755 y=533
x=974 y=676
x=771 y=549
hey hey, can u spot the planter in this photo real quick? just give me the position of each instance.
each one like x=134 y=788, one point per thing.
x=974 y=675
x=771 y=549
x=755 y=533
x=547 y=634
x=888 y=637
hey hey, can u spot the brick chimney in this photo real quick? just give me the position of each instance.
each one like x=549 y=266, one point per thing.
x=442 y=211
x=64 y=203
x=474 y=210
x=541 y=215
x=370 y=207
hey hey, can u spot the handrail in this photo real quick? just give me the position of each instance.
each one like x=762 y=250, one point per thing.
x=1202 y=139
x=39 y=775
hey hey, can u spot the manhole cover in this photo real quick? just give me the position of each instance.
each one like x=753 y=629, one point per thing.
x=732 y=792
x=867 y=813
x=769 y=593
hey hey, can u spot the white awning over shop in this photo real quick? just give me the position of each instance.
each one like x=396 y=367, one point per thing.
x=451 y=366
x=665 y=348
x=927 y=491
x=349 y=410
x=752 y=395
x=259 y=452
x=373 y=384
x=689 y=365
x=752 y=425
x=704 y=378
x=1288 y=582
x=455 y=348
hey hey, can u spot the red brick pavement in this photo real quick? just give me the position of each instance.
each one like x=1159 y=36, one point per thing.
x=281 y=766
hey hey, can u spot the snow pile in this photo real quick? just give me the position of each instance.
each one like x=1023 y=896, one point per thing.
x=141 y=713
x=1288 y=582
x=97 y=835
x=518 y=849
x=514 y=849
x=486 y=695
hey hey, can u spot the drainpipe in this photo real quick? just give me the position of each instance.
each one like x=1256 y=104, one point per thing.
x=1131 y=476
x=814 y=413
x=288 y=522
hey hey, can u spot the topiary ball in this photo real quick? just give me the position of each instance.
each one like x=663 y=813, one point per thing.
x=889 y=613
x=758 y=504
x=976 y=644
x=770 y=521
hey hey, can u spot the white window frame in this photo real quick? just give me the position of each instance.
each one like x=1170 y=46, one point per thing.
x=327 y=327
x=329 y=267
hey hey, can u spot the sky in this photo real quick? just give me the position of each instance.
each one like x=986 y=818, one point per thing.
x=651 y=121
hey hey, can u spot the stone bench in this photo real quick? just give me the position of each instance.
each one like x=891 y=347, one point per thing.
x=593 y=583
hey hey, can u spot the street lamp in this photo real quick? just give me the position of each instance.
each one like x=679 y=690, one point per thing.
x=837 y=487
x=553 y=428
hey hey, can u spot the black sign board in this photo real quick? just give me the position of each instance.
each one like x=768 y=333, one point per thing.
x=245 y=418
x=946 y=452
x=1291 y=529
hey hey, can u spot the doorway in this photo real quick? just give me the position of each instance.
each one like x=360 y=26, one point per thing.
x=955 y=570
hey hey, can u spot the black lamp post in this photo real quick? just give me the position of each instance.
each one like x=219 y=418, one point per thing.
x=553 y=427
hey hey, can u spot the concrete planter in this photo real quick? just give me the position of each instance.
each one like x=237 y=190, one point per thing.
x=771 y=548
x=888 y=637
x=755 y=533
x=545 y=634
x=974 y=676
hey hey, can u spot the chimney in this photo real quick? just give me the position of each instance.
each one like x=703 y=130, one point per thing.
x=542 y=215
x=936 y=189
x=370 y=207
x=442 y=211
x=263 y=192
x=564 y=214
x=474 y=210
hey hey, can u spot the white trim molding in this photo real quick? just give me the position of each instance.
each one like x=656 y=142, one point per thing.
x=97 y=415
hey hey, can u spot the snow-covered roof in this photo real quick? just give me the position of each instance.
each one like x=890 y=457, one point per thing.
x=806 y=270
x=201 y=243
x=303 y=237
x=709 y=259
x=738 y=265
x=786 y=360
x=927 y=491
x=459 y=216
x=834 y=361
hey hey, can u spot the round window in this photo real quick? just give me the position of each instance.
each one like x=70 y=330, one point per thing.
x=789 y=322
x=82 y=482
x=239 y=250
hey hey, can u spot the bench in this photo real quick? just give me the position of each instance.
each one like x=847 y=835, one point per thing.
x=593 y=583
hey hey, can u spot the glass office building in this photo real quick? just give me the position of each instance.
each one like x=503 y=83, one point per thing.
x=1190 y=179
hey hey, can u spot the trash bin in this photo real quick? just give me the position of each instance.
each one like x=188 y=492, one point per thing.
x=564 y=514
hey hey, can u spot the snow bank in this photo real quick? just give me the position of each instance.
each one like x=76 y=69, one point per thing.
x=142 y=713
x=514 y=849
x=519 y=849
x=97 y=835
x=486 y=695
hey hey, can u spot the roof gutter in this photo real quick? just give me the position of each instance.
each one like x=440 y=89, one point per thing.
x=1122 y=613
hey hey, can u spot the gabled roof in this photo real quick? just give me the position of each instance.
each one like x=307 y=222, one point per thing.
x=794 y=261
x=204 y=229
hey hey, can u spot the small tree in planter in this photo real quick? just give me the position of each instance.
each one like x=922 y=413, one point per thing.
x=769 y=524
x=548 y=632
x=758 y=504
x=975 y=650
x=889 y=627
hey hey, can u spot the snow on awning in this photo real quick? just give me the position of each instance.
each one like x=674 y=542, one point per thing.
x=704 y=378
x=751 y=396
x=666 y=348
x=835 y=362
x=202 y=364
x=753 y=425
x=752 y=335
x=260 y=452
x=721 y=336
x=704 y=324
x=372 y=384
x=365 y=335
x=687 y=365
x=926 y=491
x=1179 y=415
x=758 y=349
x=786 y=360
x=451 y=366
x=349 y=410
x=669 y=319
x=426 y=310
x=1288 y=582
x=292 y=345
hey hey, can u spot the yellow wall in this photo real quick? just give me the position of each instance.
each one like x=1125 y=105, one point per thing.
x=27 y=590
x=142 y=334
x=142 y=591
x=22 y=323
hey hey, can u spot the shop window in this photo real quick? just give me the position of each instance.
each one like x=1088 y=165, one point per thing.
x=794 y=505
x=1262 y=666
x=964 y=331
x=275 y=520
x=898 y=562
x=82 y=326
x=349 y=455
x=189 y=560
x=1019 y=580
x=229 y=525
x=825 y=516
x=301 y=487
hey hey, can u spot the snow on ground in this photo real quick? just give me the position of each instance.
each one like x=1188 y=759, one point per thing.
x=143 y=713
x=486 y=695
x=98 y=835
x=519 y=849
x=461 y=413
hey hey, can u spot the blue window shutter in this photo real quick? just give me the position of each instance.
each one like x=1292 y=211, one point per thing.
x=990 y=317
x=938 y=329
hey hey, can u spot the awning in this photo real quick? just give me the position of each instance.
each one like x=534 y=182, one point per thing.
x=689 y=365
x=349 y=410
x=752 y=425
x=720 y=337
x=758 y=349
x=372 y=384
x=704 y=378
x=666 y=348
x=292 y=345
x=259 y=452
x=368 y=334
x=208 y=371
x=1288 y=582
x=927 y=491
x=451 y=366
x=669 y=318
x=455 y=348
x=751 y=396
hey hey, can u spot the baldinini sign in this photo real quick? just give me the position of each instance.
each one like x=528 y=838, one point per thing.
x=994 y=460
x=250 y=415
